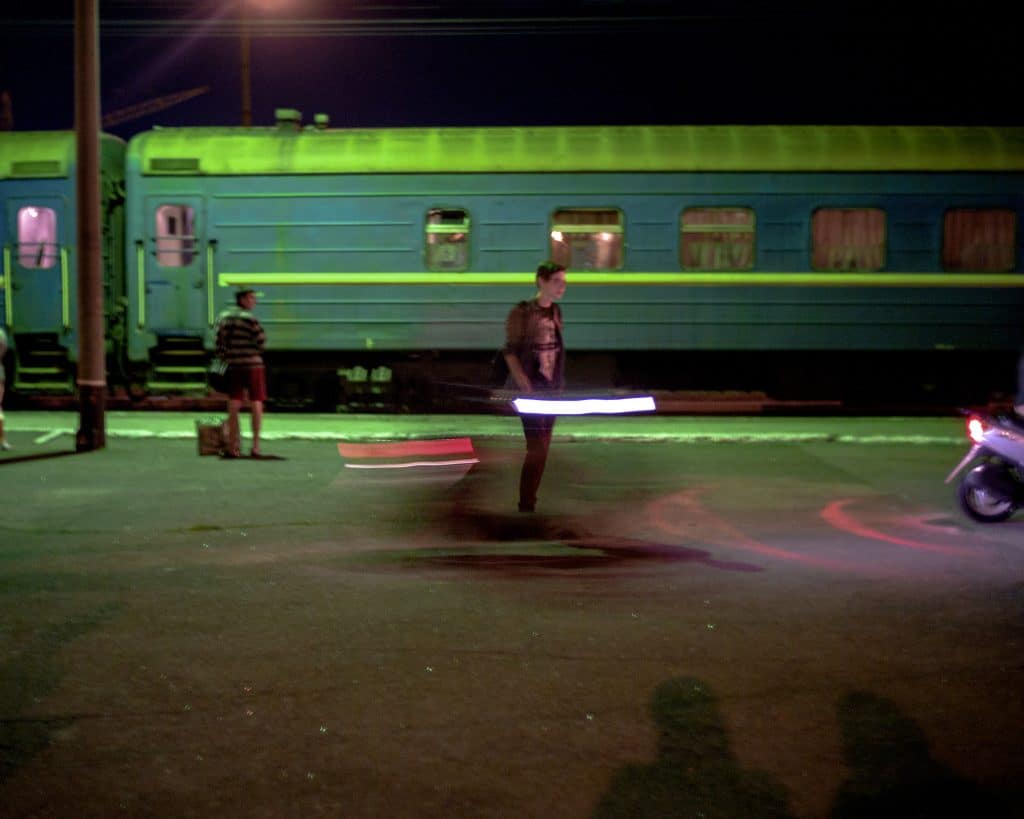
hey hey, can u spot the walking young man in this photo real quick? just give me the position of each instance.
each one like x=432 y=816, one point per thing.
x=240 y=342
x=535 y=354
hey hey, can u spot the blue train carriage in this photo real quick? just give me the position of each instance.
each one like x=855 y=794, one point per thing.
x=402 y=249
x=38 y=234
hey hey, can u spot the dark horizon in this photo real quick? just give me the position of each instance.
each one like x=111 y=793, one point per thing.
x=592 y=62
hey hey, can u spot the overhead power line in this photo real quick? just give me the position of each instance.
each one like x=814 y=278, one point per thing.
x=735 y=17
x=356 y=27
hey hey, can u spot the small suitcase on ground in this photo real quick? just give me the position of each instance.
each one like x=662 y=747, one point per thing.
x=212 y=436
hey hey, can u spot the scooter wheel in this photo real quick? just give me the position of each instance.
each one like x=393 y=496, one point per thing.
x=982 y=504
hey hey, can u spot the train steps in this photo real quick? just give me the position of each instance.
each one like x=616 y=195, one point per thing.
x=42 y=366
x=178 y=366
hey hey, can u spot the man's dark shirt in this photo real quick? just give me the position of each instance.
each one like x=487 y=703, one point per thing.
x=533 y=334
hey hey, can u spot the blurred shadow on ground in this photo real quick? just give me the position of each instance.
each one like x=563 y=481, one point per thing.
x=259 y=457
x=537 y=542
x=31 y=674
x=592 y=538
x=891 y=772
x=10 y=457
x=465 y=511
x=695 y=773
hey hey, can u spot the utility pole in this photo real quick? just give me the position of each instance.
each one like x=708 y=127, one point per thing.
x=92 y=377
x=246 y=78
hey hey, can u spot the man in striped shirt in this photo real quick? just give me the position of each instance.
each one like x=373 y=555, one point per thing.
x=240 y=342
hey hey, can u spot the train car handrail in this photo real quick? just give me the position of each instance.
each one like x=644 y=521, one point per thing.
x=8 y=297
x=211 y=245
x=65 y=299
x=140 y=272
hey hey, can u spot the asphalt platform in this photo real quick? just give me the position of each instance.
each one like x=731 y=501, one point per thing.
x=681 y=629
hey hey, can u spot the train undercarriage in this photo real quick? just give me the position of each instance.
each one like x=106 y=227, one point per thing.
x=460 y=381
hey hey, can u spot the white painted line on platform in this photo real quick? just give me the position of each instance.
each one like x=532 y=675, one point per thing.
x=46 y=434
x=407 y=465
x=49 y=436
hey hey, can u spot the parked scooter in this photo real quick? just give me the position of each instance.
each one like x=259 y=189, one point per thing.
x=994 y=489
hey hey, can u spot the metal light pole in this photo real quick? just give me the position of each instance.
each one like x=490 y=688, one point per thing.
x=92 y=378
x=246 y=78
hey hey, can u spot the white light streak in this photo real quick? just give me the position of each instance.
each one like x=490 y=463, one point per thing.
x=409 y=464
x=584 y=406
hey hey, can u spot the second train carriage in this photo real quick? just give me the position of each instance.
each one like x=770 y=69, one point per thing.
x=38 y=289
x=376 y=247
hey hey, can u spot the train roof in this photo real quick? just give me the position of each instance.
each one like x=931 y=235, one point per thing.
x=51 y=154
x=277 y=150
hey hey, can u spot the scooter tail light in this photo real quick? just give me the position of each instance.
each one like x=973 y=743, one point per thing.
x=976 y=429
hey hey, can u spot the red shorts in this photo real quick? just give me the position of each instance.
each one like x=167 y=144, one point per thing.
x=247 y=379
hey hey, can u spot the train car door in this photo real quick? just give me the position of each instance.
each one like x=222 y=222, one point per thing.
x=39 y=288
x=172 y=267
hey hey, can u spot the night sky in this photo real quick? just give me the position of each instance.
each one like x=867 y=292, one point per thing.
x=436 y=62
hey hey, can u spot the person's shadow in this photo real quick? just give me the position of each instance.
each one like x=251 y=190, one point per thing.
x=892 y=774
x=695 y=773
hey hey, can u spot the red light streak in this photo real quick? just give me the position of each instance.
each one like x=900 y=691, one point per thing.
x=836 y=515
x=404 y=449
x=690 y=509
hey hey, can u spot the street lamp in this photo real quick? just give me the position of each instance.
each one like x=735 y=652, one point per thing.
x=243 y=19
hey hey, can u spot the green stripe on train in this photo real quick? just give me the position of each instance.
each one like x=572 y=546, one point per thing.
x=619 y=278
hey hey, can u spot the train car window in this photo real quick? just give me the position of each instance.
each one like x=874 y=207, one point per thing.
x=848 y=239
x=447 y=236
x=175 y=235
x=716 y=239
x=37 y=236
x=587 y=238
x=982 y=240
